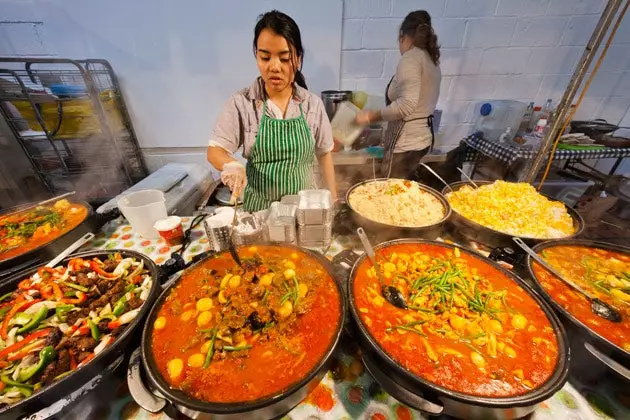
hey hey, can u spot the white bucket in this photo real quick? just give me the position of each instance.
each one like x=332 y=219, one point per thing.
x=142 y=209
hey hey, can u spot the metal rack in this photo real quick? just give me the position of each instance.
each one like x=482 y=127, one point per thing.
x=70 y=118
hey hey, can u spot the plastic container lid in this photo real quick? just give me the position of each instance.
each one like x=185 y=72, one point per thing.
x=167 y=224
x=485 y=109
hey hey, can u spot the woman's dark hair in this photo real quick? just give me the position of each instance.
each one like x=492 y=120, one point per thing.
x=417 y=26
x=286 y=27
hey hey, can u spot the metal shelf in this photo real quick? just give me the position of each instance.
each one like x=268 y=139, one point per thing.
x=82 y=132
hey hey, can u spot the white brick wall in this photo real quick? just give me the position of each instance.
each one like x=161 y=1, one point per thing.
x=491 y=49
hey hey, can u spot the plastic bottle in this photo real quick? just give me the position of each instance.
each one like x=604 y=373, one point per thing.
x=535 y=117
x=547 y=109
x=505 y=136
x=541 y=125
x=527 y=118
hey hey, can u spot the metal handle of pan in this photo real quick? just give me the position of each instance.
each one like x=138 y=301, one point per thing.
x=76 y=245
x=621 y=370
x=436 y=175
x=139 y=392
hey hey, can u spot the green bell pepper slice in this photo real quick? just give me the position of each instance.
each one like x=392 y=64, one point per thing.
x=119 y=307
x=96 y=334
x=62 y=310
x=39 y=316
x=7 y=380
x=22 y=318
x=26 y=392
x=46 y=355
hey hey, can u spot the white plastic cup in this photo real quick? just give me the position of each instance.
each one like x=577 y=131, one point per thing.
x=142 y=209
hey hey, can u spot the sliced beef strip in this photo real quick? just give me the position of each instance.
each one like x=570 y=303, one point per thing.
x=81 y=344
x=53 y=338
x=103 y=325
x=135 y=302
x=83 y=355
x=109 y=265
x=112 y=295
x=72 y=316
x=83 y=280
x=57 y=367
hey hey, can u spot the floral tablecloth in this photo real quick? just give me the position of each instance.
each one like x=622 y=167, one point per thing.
x=347 y=391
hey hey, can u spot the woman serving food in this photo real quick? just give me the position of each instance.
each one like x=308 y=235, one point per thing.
x=280 y=125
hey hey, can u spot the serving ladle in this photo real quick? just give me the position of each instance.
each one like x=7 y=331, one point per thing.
x=598 y=307
x=469 y=179
x=390 y=293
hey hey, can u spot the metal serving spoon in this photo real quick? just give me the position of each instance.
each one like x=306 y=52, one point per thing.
x=231 y=246
x=598 y=307
x=390 y=293
x=469 y=179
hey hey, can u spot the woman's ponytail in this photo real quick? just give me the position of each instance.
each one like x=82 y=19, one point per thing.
x=300 y=80
x=417 y=26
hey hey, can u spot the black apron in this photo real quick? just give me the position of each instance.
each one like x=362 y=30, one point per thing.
x=392 y=134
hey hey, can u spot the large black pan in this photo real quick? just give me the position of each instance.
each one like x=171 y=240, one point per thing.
x=49 y=250
x=600 y=344
x=494 y=238
x=435 y=399
x=65 y=386
x=166 y=398
x=385 y=231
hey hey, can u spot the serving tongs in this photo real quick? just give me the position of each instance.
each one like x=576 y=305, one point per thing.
x=598 y=306
x=390 y=293
x=66 y=252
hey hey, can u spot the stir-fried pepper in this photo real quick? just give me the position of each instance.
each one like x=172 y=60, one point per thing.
x=60 y=318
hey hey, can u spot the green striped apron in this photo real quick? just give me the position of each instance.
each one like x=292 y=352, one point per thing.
x=280 y=162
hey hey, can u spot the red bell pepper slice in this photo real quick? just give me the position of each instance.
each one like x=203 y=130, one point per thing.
x=4 y=330
x=43 y=270
x=86 y=360
x=15 y=347
x=25 y=351
x=76 y=264
x=81 y=297
x=99 y=270
x=20 y=305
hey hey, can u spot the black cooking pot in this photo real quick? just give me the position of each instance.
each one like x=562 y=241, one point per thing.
x=102 y=362
x=436 y=400
x=595 y=129
x=49 y=250
x=160 y=396
x=611 y=355
x=494 y=238
x=385 y=231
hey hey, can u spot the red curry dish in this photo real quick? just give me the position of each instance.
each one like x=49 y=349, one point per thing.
x=223 y=335
x=21 y=232
x=468 y=327
x=603 y=273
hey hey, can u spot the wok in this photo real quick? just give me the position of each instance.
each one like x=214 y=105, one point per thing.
x=434 y=399
x=601 y=348
x=494 y=238
x=75 y=380
x=595 y=129
x=385 y=231
x=50 y=249
x=157 y=395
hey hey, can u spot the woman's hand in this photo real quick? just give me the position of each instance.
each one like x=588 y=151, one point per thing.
x=233 y=175
x=367 y=117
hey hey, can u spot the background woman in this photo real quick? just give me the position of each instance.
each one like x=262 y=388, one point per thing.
x=281 y=126
x=411 y=97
